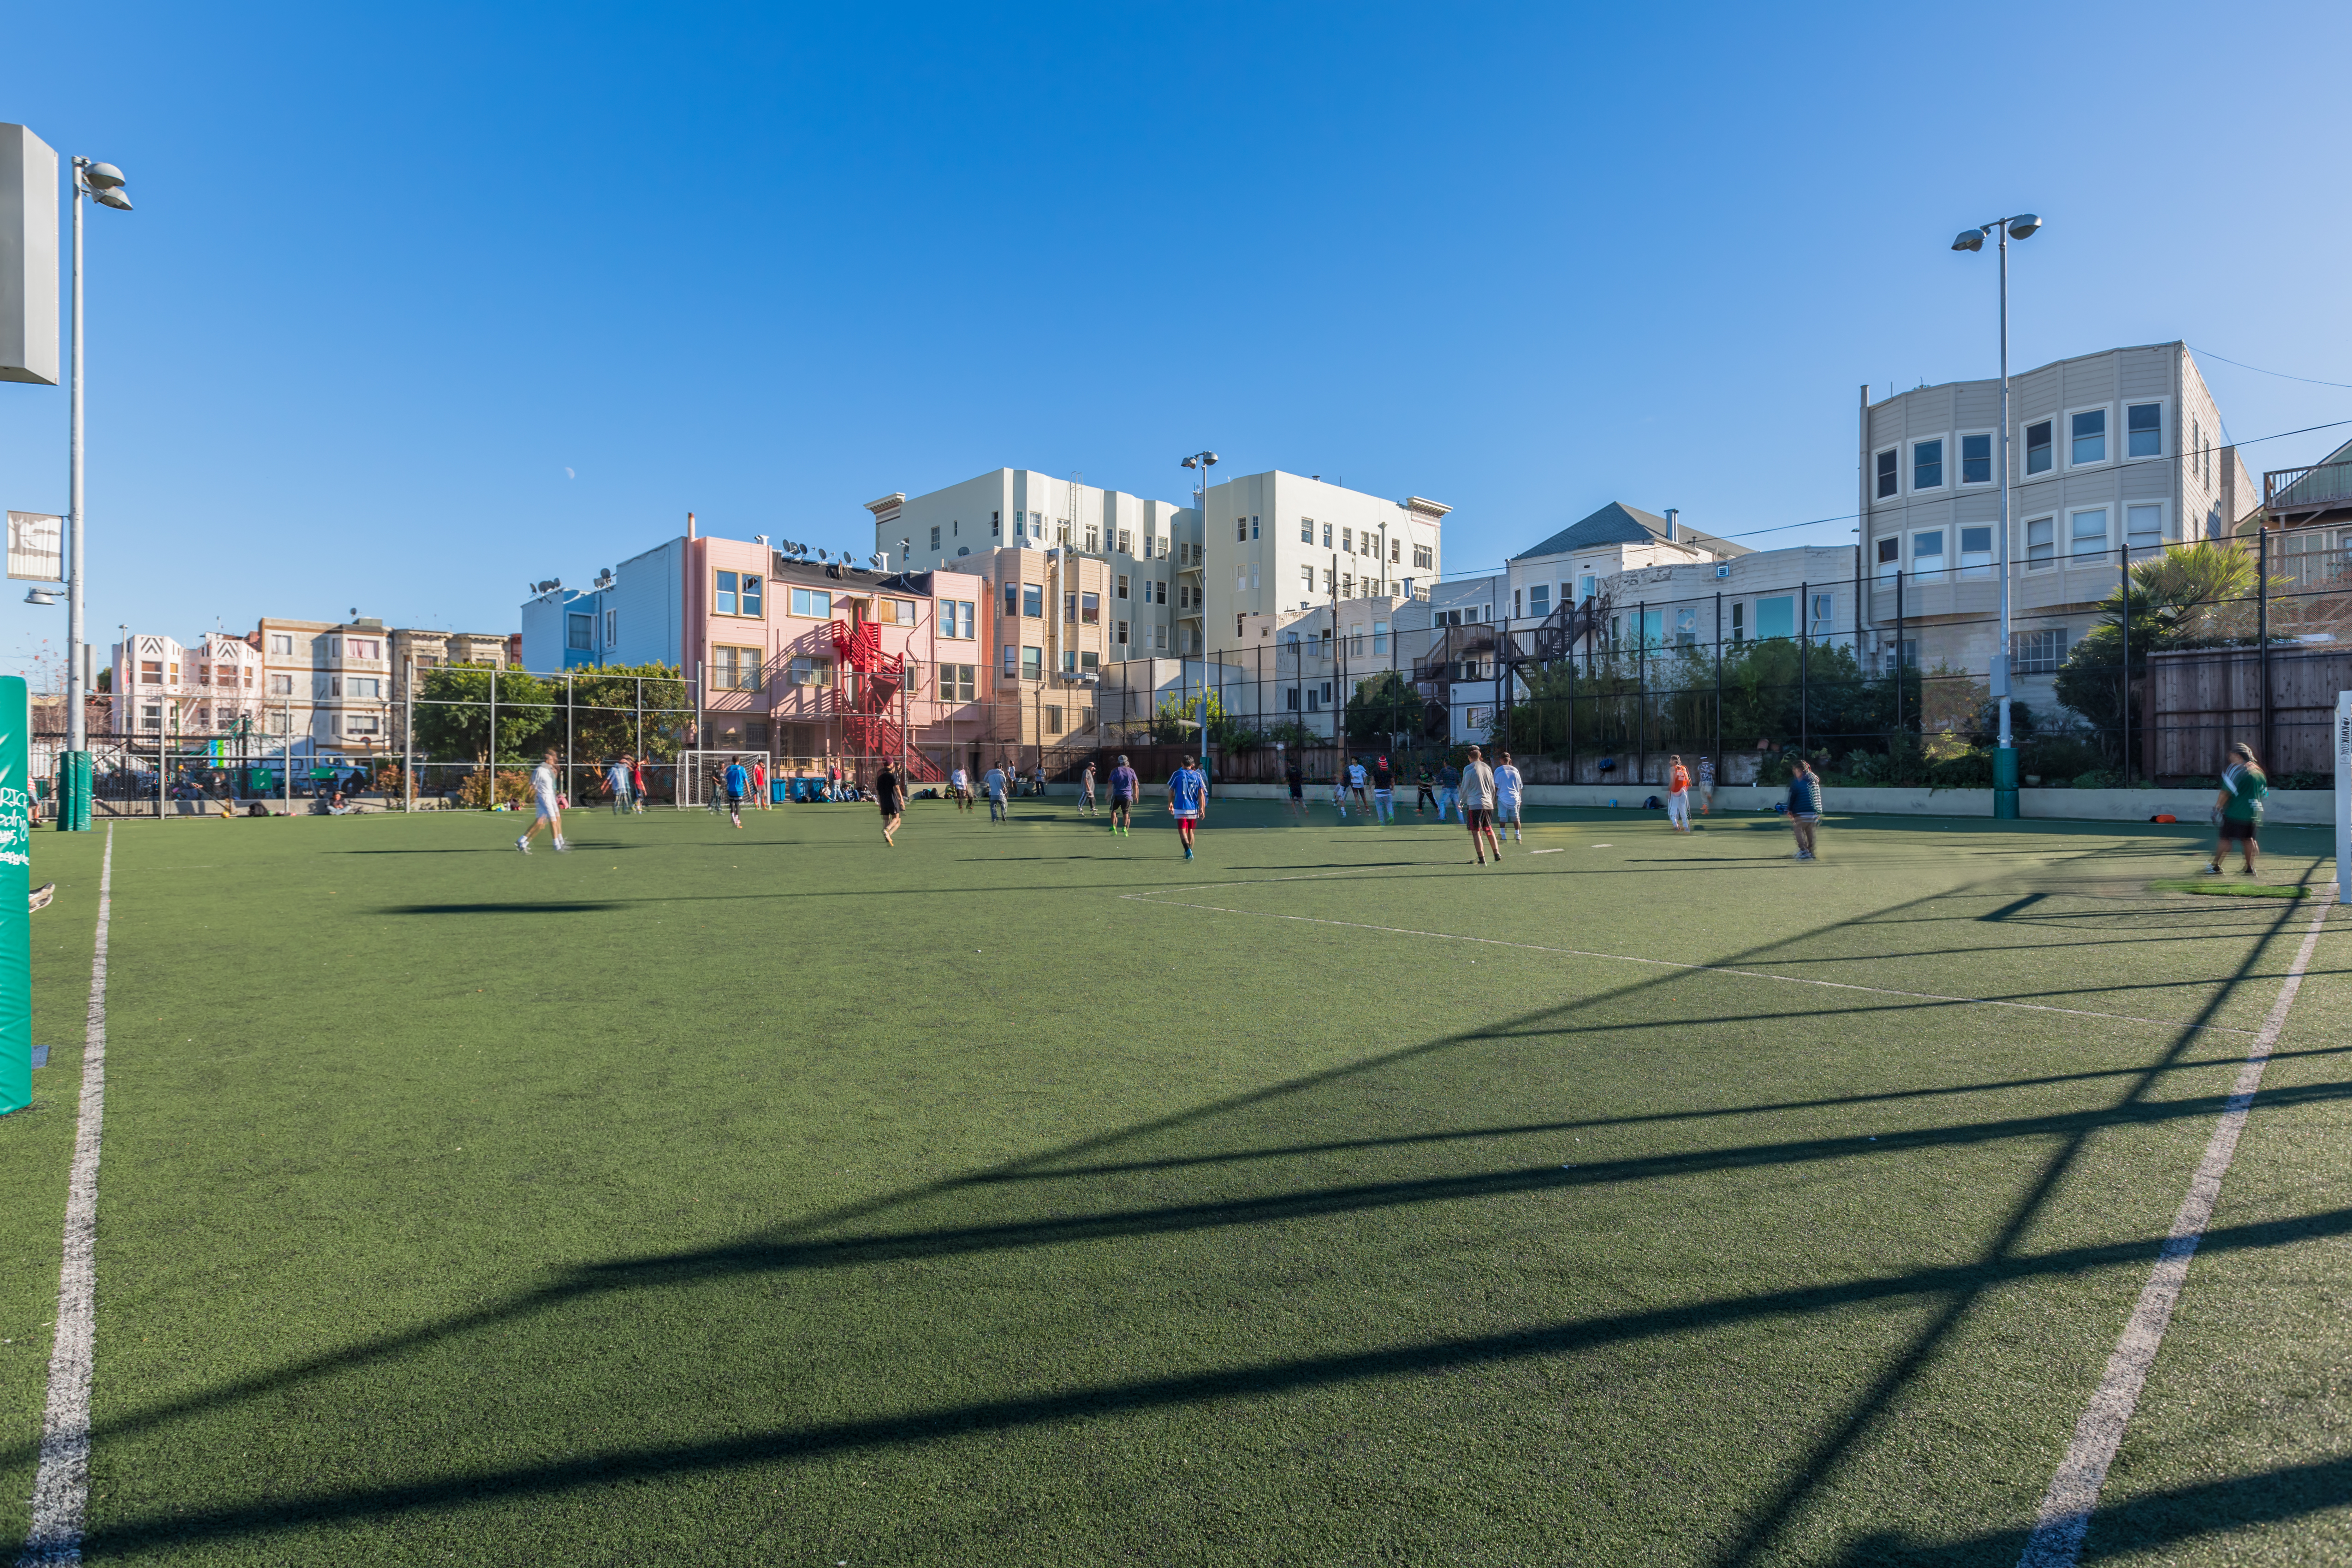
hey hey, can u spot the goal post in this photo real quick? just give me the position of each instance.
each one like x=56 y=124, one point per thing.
x=699 y=772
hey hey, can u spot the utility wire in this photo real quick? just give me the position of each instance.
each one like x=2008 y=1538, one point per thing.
x=2242 y=365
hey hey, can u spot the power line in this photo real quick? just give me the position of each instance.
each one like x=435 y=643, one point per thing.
x=2242 y=365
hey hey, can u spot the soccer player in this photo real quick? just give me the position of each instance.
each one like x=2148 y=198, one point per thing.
x=759 y=783
x=1474 y=799
x=2245 y=787
x=617 y=778
x=1188 y=801
x=1296 y=777
x=1506 y=799
x=551 y=806
x=1428 y=796
x=888 y=793
x=996 y=783
x=1356 y=780
x=1124 y=787
x=1706 y=785
x=1384 y=790
x=736 y=779
x=960 y=788
x=1804 y=807
x=1339 y=795
x=1449 y=790
x=637 y=785
x=1677 y=795
x=1086 y=790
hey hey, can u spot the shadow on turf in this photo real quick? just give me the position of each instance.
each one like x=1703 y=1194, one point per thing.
x=945 y=1423
x=552 y=907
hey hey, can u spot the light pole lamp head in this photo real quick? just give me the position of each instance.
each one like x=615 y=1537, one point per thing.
x=1968 y=239
x=101 y=177
x=111 y=196
x=2024 y=225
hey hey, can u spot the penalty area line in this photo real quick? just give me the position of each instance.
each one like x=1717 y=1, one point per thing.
x=61 y=1484
x=1163 y=902
x=2064 y=1516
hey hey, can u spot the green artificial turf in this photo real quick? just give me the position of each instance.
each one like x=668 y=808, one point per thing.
x=1026 y=1195
x=2229 y=890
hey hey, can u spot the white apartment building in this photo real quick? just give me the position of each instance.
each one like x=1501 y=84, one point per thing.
x=2111 y=452
x=1278 y=542
x=186 y=691
x=329 y=682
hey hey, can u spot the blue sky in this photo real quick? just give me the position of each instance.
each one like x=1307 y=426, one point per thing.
x=419 y=304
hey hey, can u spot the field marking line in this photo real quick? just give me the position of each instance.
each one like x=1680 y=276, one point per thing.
x=61 y=1486
x=1158 y=900
x=2064 y=1516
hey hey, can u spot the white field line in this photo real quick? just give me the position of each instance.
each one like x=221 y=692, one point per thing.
x=61 y=1486
x=2065 y=1513
x=1159 y=901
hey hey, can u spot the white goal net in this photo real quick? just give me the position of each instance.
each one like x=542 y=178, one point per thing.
x=701 y=776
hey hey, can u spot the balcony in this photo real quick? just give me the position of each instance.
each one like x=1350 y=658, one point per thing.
x=1976 y=590
x=2314 y=487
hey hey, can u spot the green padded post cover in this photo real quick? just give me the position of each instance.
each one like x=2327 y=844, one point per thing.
x=16 y=882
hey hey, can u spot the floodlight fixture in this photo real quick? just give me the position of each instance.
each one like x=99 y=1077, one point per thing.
x=2024 y=225
x=1969 y=239
x=111 y=196
x=101 y=177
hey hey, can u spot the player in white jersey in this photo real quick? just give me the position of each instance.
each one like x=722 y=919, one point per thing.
x=543 y=795
x=1506 y=799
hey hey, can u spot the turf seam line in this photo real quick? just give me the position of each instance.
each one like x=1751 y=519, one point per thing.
x=61 y=1484
x=1703 y=968
x=2065 y=1513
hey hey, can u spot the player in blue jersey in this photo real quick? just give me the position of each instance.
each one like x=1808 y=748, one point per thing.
x=1188 y=801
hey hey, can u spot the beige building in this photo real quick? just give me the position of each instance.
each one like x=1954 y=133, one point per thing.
x=188 y=692
x=329 y=682
x=1057 y=618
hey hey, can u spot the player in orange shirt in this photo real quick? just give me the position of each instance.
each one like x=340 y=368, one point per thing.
x=1678 y=795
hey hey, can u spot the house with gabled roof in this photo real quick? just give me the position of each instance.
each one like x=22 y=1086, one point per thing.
x=1571 y=566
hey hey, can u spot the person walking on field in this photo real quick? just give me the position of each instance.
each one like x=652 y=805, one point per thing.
x=1086 y=791
x=1384 y=790
x=616 y=778
x=1506 y=799
x=960 y=789
x=1475 y=797
x=551 y=806
x=1124 y=787
x=2245 y=787
x=759 y=783
x=996 y=783
x=1356 y=780
x=1428 y=796
x=1804 y=807
x=1296 y=777
x=736 y=779
x=1449 y=790
x=1188 y=801
x=637 y=785
x=1677 y=795
x=888 y=794
x=1706 y=785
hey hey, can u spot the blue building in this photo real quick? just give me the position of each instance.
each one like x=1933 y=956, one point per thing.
x=632 y=613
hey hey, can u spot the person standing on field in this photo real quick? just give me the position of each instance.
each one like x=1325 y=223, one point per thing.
x=1124 y=787
x=1188 y=801
x=736 y=781
x=1677 y=795
x=1706 y=784
x=1296 y=777
x=1356 y=780
x=636 y=784
x=996 y=783
x=2245 y=787
x=1384 y=790
x=616 y=778
x=1804 y=807
x=759 y=783
x=1449 y=790
x=1506 y=799
x=543 y=794
x=1086 y=790
x=888 y=794
x=1428 y=795
x=1476 y=800
x=960 y=789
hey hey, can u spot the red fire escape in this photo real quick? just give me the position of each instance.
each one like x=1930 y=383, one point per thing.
x=868 y=727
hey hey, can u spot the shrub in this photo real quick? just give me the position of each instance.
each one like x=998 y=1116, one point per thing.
x=2094 y=779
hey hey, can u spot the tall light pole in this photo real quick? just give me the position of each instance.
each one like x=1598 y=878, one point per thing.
x=1201 y=463
x=102 y=183
x=2004 y=761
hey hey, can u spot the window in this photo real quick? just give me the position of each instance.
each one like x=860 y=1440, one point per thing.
x=1775 y=617
x=1380 y=637
x=580 y=633
x=1253 y=528
x=956 y=617
x=1053 y=718
x=1890 y=479
x=723 y=597
x=1346 y=542
x=1012 y=662
x=957 y=682
x=2088 y=433
x=1927 y=551
x=1585 y=586
x=1540 y=600
x=2038 y=653
x=1346 y=585
x=1686 y=629
x=1976 y=459
x=1906 y=653
x=1069 y=662
x=995 y=525
x=1013 y=598
x=364 y=647
x=2037 y=447
x=1290 y=698
x=1306 y=531
x=2143 y=527
x=1890 y=559
x=1306 y=578
x=1070 y=608
x=935 y=537
x=1241 y=530
x=1126 y=543
x=810 y=670
x=814 y=603
x=1423 y=557
x=1094 y=539
x=281 y=686
x=1090 y=609
x=612 y=625
x=1976 y=551
x=1327 y=536
x=1824 y=606
x=2088 y=529
x=1033 y=601
x=1119 y=632
x=1394 y=546
x=151 y=671
x=334 y=684
x=754 y=595
x=1089 y=660
x=1118 y=587
x=2143 y=430
x=735 y=668
x=1159 y=592
x=281 y=642
x=2041 y=541
x=362 y=724
x=364 y=685
x=278 y=724
x=1160 y=638
x=1239 y=628
x=1927 y=465
x=1241 y=579
x=1183 y=596
x=1033 y=663
x=151 y=717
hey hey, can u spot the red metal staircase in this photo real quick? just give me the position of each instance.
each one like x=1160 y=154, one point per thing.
x=863 y=700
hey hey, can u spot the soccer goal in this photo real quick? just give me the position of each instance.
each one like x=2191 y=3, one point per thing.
x=699 y=772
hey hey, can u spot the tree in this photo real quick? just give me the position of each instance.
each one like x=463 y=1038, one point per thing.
x=616 y=707
x=452 y=717
x=2191 y=595
x=1381 y=708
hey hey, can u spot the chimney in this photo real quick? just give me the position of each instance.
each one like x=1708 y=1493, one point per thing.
x=689 y=525
x=1674 y=535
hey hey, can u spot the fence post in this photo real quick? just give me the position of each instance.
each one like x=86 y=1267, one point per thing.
x=285 y=752
x=490 y=789
x=1718 y=690
x=2123 y=707
x=2263 y=630
x=408 y=739
x=1804 y=666
x=1641 y=690
x=568 y=780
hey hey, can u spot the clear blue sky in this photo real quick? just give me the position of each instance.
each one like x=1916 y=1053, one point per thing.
x=421 y=304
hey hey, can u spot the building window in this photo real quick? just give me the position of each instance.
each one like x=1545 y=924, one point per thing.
x=2143 y=430
x=1824 y=606
x=735 y=668
x=2087 y=431
x=1686 y=629
x=809 y=670
x=1069 y=662
x=1306 y=578
x=1053 y=718
x=364 y=685
x=2143 y=527
x=957 y=682
x=580 y=633
x=362 y=724
x=1253 y=528
x=151 y=717
x=1119 y=632
x=1976 y=459
x=611 y=621
x=1126 y=543
x=961 y=619
x=1927 y=465
x=1890 y=559
x=1327 y=536
x=1380 y=637
x=723 y=595
x=2037 y=447
x=151 y=671
x=1241 y=530
x=1089 y=660
x=754 y=601
x=1890 y=473
x=1011 y=655
x=1033 y=601
x=1540 y=600
x=1306 y=531
x=1775 y=617
x=935 y=536
x=1927 y=551
x=1160 y=638
x=2038 y=653
x=1346 y=542
x=1070 y=608
x=1089 y=609
x=282 y=642
x=1976 y=551
x=2088 y=531
x=1156 y=592
x=281 y=686
x=1094 y=539
x=1119 y=587
x=2041 y=541
x=1424 y=558
x=1033 y=663
x=814 y=603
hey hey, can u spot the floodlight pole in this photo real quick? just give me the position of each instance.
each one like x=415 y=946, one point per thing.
x=2004 y=762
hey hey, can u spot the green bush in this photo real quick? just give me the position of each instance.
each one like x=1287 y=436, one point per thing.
x=1970 y=770
x=2094 y=779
